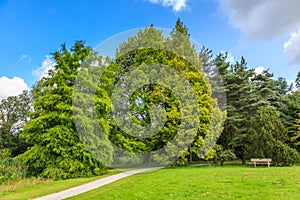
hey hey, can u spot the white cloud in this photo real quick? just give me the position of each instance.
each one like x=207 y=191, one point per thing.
x=177 y=5
x=230 y=58
x=11 y=87
x=42 y=71
x=259 y=70
x=26 y=58
x=262 y=19
x=292 y=47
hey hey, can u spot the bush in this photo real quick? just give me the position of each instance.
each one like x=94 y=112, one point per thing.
x=284 y=155
x=10 y=168
x=224 y=155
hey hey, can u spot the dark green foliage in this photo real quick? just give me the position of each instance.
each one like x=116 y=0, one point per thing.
x=246 y=92
x=266 y=138
x=290 y=110
x=223 y=155
x=283 y=86
x=296 y=136
x=284 y=155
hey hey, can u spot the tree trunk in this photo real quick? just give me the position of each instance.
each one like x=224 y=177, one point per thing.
x=191 y=157
x=243 y=160
x=215 y=161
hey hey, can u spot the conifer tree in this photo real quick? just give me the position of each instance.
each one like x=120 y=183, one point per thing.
x=56 y=150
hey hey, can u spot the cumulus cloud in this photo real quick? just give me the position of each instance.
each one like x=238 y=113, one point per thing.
x=262 y=19
x=11 y=87
x=177 y=5
x=42 y=71
x=259 y=70
x=292 y=47
x=26 y=58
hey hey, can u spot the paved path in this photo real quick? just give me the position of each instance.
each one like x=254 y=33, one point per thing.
x=92 y=185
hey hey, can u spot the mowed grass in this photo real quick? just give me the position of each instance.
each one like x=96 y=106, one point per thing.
x=35 y=187
x=205 y=182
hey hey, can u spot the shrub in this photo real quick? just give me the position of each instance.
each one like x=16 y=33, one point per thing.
x=284 y=155
x=10 y=168
x=224 y=155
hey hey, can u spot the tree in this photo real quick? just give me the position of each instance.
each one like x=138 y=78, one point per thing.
x=236 y=80
x=289 y=113
x=283 y=86
x=297 y=81
x=246 y=92
x=150 y=51
x=14 y=114
x=223 y=155
x=267 y=137
x=56 y=150
x=296 y=137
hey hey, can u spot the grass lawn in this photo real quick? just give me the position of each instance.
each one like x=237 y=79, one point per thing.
x=232 y=181
x=35 y=187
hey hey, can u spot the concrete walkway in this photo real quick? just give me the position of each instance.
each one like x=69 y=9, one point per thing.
x=92 y=185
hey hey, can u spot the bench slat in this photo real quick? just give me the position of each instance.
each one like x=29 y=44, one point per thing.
x=261 y=160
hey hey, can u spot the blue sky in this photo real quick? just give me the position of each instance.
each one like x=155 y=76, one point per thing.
x=265 y=32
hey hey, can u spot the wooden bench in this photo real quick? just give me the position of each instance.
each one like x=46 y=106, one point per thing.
x=261 y=161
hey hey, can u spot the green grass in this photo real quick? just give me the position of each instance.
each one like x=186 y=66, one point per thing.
x=36 y=187
x=232 y=181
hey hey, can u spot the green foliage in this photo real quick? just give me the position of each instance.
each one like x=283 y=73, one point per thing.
x=214 y=132
x=297 y=81
x=223 y=155
x=14 y=113
x=56 y=150
x=150 y=48
x=296 y=137
x=267 y=137
x=290 y=110
x=282 y=154
x=246 y=93
x=11 y=169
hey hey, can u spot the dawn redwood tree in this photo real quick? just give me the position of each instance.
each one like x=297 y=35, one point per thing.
x=56 y=150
